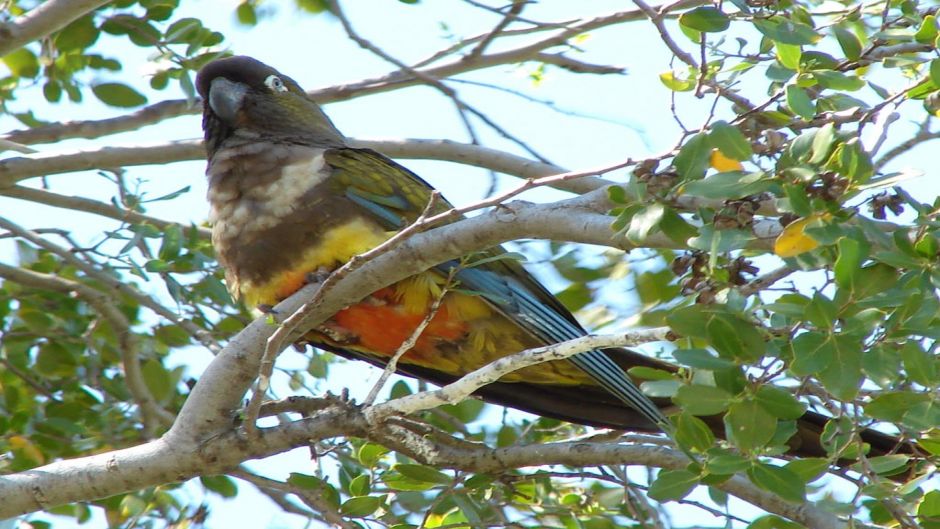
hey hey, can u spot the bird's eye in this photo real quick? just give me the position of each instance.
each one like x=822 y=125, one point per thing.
x=274 y=83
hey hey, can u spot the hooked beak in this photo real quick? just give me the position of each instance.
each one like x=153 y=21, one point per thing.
x=225 y=98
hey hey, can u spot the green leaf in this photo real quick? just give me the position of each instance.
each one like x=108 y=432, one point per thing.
x=724 y=464
x=789 y=55
x=928 y=30
x=773 y=522
x=80 y=34
x=118 y=95
x=783 y=30
x=809 y=468
x=305 y=481
x=361 y=485
x=617 y=194
x=693 y=157
x=705 y=18
x=644 y=222
x=849 y=42
x=733 y=337
x=132 y=506
x=929 y=507
x=397 y=481
x=893 y=406
x=675 y=227
x=694 y=433
x=370 y=454
x=779 y=480
x=730 y=141
x=182 y=30
x=848 y=264
x=246 y=15
x=672 y=485
x=361 y=506
x=730 y=335
x=172 y=242
x=701 y=359
x=729 y=185
x=22 y=63
x=749 y=425
x=838 y=81
x=823 y=140
x=923 y=416
x=843 y=376
x=822 y=312
x=423 y=473
x=780 y=402
x=222 y=485
x=921 y=366
x=676 y=84
x=702 y=400
x=800 y=103
x=885 y=465
x=159 y=381
x=576 y=296
x=935 y=71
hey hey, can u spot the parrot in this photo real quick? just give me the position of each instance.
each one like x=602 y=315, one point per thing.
x=290 y=197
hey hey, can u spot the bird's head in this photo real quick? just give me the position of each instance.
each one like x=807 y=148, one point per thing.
x=243 y=96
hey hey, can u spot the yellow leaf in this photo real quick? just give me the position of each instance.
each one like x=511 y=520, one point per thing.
x=433 y=520
x=722 y=163
x=26 y=448
x=793 y=240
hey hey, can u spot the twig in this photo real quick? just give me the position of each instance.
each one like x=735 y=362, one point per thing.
x=765 y=281
x=430 y=80
x=509 y=17
x=313 y=498
x=466 y=385
x=656 y=17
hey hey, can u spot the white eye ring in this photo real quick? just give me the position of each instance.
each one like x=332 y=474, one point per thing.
x=274 y=83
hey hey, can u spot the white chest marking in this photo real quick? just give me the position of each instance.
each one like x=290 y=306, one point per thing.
x=262 y=207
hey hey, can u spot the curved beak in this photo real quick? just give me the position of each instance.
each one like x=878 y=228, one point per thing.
x=225 y=98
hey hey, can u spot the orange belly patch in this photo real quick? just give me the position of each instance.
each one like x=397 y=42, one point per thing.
x=381 y=326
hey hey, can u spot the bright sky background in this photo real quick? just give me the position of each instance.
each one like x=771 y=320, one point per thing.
x=634 y=111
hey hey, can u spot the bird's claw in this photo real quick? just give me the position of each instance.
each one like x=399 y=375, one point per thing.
x=318 y=276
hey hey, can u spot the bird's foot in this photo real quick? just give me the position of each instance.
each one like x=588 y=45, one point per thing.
x=264 y=308
x=318 y=276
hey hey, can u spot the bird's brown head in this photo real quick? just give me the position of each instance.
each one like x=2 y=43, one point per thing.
x=245 y=97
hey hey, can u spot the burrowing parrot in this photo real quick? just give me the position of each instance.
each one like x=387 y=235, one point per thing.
x=289 y=196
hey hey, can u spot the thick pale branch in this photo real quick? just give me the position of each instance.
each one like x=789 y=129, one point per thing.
x=46 y=18
x=166 y=460
x=88 y=205
x=19 y=168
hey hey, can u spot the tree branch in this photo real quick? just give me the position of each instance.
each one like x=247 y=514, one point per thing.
x=88 y=205
x=46 y=18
